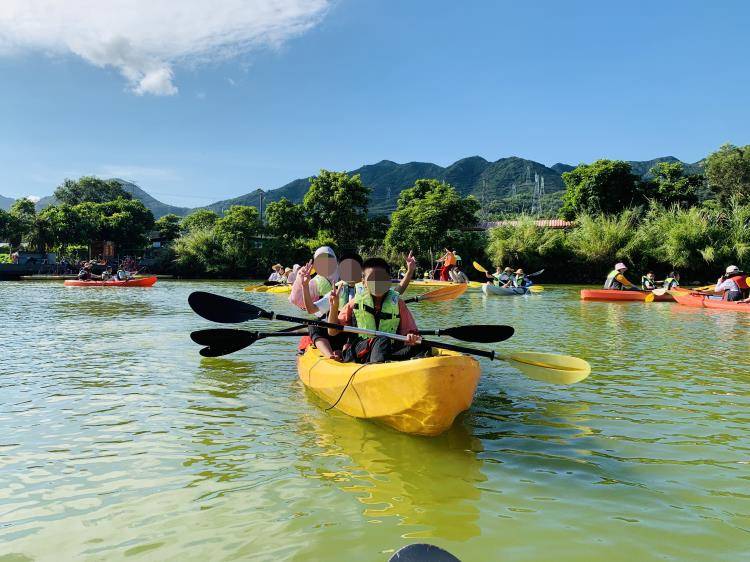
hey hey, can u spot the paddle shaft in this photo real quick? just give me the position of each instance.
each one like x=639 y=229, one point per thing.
x=376 y=333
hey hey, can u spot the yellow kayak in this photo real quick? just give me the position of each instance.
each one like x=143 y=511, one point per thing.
x=418 y=396
x=269 y=289
x=431 y=283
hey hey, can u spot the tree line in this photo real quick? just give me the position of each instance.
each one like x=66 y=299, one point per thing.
x=696 y=223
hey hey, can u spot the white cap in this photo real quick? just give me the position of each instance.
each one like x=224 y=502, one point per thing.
x=620 y=266
x=733 y=269
x=324 y=250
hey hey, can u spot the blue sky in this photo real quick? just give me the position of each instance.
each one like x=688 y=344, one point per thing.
x=358 y=81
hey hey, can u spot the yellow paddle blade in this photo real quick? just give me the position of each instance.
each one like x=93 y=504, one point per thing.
x=252 y=288
x=549 y=367
x=649 y=297
x=536 y=288
x=445 y=293
x=479 y=267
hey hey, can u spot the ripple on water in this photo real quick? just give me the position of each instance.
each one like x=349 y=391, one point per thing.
x=117 y=440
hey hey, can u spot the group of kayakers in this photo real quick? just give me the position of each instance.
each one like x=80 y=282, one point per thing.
x=86 y=273
x=732 y=285
x=283 y=275
x=356 y=292
x=506 y=277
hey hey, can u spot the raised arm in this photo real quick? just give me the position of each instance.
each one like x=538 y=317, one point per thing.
x=411 y=267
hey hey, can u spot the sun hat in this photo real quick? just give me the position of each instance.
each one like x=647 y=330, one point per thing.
x=277 y=265
x=508 y=269
x=620 y=265
x=733 y=269
x=324 y=250
x=519 y=271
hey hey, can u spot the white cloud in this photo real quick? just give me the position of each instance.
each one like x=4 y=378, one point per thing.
x=33 y=198
x=145 y=39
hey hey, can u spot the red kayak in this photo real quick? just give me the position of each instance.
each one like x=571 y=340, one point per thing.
x=141 y=282
x=700 y=300
x=616 y=295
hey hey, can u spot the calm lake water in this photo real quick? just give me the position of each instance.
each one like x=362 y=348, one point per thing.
x=118 y=441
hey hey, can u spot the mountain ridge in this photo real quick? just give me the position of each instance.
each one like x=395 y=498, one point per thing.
x=472 y=175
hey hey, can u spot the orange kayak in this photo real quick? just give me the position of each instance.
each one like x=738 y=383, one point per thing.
x=698 y=300
x=615 y=295
x=141 y=282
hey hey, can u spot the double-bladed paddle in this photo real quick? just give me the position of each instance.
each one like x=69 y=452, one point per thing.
x=222 y=341
x=548 y=367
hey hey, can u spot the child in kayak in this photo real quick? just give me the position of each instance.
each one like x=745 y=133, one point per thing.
x=648 y=281
x=376 y=307
x=350 y=271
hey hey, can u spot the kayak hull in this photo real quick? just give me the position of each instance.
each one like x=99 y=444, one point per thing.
x=615 y=295
x=423 y=283
x=490 y=289
x=417 y=396
x=141 y=282
x=697 y=300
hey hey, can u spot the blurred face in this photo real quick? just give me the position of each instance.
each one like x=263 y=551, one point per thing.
x=377 y=281
x=325 y=265
x=350 y=271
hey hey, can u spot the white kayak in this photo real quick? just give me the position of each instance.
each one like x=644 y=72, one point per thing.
x=490 y=289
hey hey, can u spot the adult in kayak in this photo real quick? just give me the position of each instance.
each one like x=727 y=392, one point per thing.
x=377 y=307
x=518 y=280
x=617 y=281
x=672 y=281
x=448 y=259
x=648 y=281
x=458 y=276
x=733 y=284
x=278 y=273
x=85 y=273
x=501 y=276
x=345 y=289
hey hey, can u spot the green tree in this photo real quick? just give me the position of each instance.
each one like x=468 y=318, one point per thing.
x=23 y=216
x=202 y=218
x=69 y=225
x=90 y=189
x=337 y=203
x=605 y=186
x=199 y=252
x=728 y=173
x=168 y=226
x=670 y=186
x=424 y=215
x=236 y=231
x=126 y=222
x=286 y=220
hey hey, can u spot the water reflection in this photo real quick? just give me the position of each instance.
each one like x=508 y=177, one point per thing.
x=397 y=475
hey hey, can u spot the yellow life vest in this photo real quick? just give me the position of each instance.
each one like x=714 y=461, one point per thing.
x=387 y=320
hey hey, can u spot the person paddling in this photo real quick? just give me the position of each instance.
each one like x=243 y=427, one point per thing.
x=278 y=272
x=85 y=273
x=377 y=307
x=648 y=281
x=616 y=279
x=458 y=276
x=733 y=284
x=672 y=281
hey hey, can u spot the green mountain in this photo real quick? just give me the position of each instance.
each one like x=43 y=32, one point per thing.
x=5 y=203
x=506 y=179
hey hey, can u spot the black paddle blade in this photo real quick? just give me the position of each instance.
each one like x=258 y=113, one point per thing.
x=423 y=553
x=480 y=333
x=222 y=341
x=223 y=309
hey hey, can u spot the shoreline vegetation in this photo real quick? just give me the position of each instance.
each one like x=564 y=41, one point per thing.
x=692 y=223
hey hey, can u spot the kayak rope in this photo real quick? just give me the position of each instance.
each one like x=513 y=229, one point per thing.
x=345 y=387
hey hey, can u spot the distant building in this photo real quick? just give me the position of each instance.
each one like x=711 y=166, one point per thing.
x=542 y=223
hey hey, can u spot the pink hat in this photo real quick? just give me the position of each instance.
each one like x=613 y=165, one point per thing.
x=620 y=266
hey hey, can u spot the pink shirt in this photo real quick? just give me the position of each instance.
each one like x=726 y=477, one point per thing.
x=406 y=326
x=297 y=297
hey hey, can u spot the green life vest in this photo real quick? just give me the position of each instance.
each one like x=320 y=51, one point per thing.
x=387 y=320
x=323 y=284
x=670 y=282
x=647 y=284
x=347 y=293
x=612 y=282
